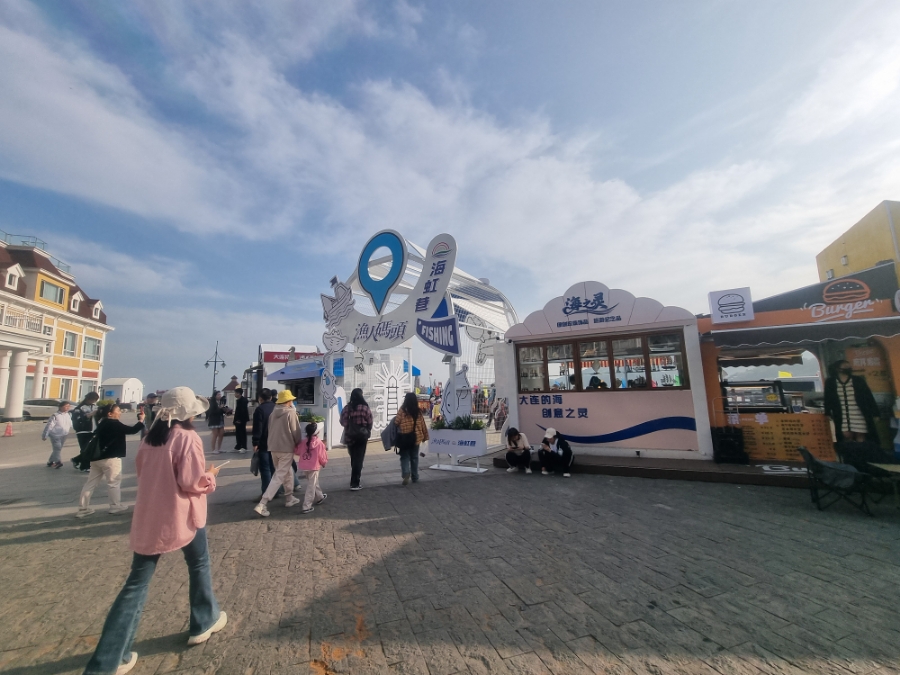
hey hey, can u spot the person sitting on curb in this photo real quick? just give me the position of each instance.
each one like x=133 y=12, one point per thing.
x=518 y=452
x=555 y=454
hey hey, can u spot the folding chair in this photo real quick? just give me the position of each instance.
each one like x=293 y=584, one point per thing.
x=831 y=478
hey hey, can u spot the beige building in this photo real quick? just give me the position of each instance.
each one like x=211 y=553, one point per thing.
x=52 y=335
x=874 y=239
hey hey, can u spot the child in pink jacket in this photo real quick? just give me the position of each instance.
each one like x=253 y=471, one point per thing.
x=311 y=457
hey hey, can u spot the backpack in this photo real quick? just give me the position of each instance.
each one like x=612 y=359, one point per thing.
x=81 y=421
x=355 y=433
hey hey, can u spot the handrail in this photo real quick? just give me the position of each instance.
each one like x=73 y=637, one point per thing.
x=30 y=240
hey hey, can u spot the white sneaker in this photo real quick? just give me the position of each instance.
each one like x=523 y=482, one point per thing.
x=567 y=475
x=261 y=509
x=355 y=489
x=291 y=501
x=544 y=472
x=528 y=470
x=243 y=451
x=116 y=510
x=216 y=627
x=511 y=469
x=128 y=665
x=324 y=497
x=309 y=510
x=84 y=513
x=217 y=452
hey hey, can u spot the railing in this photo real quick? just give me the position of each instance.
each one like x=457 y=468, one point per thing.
x=28 y=240
x=13 y=318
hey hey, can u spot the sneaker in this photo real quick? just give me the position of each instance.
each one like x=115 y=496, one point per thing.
x=355 y=488
x=528 y=470
x=243 y=451
x=544 y=472
x=309 y=510
x=324 y=497
x=116 y=510
x=84 y=513
x=216 y=627
x=406 y=480
x=57 y=465
x=128 y=665
x=291 y=501
x=511 y=469
x=261 y=510
x=217 y=452
x=567 y=475
x=49 y=463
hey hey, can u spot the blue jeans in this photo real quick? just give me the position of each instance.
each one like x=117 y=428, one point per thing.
x=122 y=621
x=409 y=462
x=267 y=470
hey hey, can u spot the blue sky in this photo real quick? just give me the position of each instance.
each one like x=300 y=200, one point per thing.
x=206 y=168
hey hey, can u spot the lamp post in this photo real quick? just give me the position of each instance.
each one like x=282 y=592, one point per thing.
x=216 y=361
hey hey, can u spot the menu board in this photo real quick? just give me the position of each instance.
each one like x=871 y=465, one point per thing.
x=776 y=436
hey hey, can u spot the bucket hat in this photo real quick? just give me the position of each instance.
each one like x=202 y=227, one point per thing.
x=550 y=432
x=284 y=396
x=181 y=403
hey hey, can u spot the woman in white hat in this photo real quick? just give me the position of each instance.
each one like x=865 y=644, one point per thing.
x=284 y=434
x=170 y=514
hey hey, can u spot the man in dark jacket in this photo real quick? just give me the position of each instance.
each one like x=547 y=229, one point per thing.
x=850 y=404
x=260 y=436
x=241 y=417
x=555 y=454
x=83 y=425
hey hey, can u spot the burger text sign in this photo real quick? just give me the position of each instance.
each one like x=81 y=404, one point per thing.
x=731 y=306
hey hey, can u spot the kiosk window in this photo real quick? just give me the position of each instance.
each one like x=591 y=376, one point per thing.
x=532 y=369
x=667 y=360
x=630 y=367
x=561 y=367
x=595 y=373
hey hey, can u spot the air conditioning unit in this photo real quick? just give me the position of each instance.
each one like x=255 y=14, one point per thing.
x=48 y=330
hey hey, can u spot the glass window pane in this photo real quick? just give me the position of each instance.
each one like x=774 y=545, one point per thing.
x=666 y=360
x=531 y=368
x=561 y=367
x=595 y=372
x=628 y=357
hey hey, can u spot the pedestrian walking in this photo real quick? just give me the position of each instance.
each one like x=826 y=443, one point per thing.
x=148 y=407
x=111 y=433
x=170 y=514
x=57 y=430
x=518 y=451
x=312 y=456
x=215 y=420
x=555 y=454
x=412 y=431
x=83 y=424
x=241 y=417
x=356 y=418
x=261 y=436
x=850 y=404
x=283 y=435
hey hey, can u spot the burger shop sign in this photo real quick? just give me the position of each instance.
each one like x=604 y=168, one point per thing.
x=731 y=306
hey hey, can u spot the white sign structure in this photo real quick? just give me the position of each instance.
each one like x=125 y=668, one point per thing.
x=731 y=306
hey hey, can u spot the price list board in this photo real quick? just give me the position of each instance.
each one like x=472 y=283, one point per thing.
x=775 y=436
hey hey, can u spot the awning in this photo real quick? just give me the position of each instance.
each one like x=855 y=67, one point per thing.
x=806 y=334
x=416 y=371
x=304 y=369
x=731 y=357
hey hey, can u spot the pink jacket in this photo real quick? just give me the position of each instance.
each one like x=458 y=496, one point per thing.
x=171 y=496
x=313 y=458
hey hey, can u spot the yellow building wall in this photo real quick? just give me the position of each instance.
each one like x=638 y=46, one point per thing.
x=37 y=292
x=865 y=244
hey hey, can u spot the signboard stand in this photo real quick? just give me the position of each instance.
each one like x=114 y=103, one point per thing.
x=458 y=467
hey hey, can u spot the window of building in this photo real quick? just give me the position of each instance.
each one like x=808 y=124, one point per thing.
x=52 y=292
x=627 y=362
x=92 y=348
x=829 y=275
x=96 y=312
x=844 y=260
x=65 y=389
x=70 y=343
x=86 y=387
x=76 y=303
x=12 y=281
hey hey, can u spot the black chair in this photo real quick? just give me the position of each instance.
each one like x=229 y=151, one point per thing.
x=864 y=455
x=843 y=481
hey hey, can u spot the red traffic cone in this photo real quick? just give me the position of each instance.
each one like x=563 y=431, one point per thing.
x=8 y=431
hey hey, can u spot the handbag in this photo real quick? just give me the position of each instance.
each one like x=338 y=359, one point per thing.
x=355 y=433
x=92 y=451
x=254 y=464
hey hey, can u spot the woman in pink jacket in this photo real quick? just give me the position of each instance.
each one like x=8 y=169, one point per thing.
x=170 y=514
x=311 y=457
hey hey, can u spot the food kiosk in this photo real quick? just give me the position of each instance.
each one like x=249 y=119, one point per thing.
x=612 y=373
x=854 y=318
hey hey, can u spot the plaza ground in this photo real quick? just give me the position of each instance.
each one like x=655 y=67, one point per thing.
x=494 y=573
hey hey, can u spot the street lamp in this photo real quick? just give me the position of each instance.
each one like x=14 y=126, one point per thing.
x=216 y=361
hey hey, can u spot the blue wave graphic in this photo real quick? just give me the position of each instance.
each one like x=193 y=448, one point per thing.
x=642 y=429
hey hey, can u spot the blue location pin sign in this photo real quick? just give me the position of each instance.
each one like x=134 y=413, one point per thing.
x=380 y=289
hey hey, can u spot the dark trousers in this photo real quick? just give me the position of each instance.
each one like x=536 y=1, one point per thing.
x=357 y=457
x=240 y=435
x=522 y=461
x=84 y=438
x=553 y=462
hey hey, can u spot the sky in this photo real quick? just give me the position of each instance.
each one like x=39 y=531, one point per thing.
x=206 y=168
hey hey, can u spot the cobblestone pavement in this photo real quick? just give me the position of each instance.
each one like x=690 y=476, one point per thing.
x=485 y=574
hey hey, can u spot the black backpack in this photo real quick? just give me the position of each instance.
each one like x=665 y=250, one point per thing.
x=355 y=433
x=81 y=421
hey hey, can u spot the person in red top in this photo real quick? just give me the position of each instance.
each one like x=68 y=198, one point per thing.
x=170 y=514
x=356 y=418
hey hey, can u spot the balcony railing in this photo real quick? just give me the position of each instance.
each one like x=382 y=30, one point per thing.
x=13 y=318
x=28 y=240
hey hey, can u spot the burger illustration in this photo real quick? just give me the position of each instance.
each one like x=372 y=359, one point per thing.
x=731 y=303
x=845 y=290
